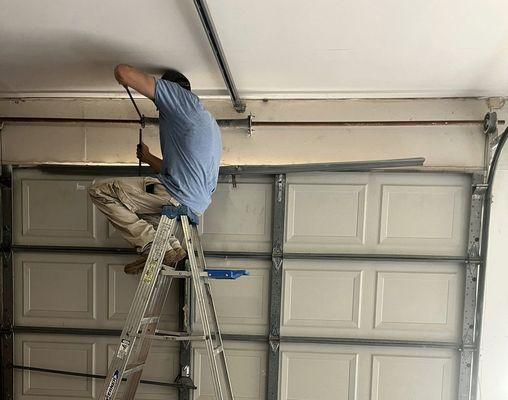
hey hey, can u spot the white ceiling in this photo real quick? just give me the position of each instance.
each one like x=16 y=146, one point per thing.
x=275 y=48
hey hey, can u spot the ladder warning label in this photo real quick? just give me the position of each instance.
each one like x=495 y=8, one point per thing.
x=150 y=271
x=111 y=386
x=123 y=349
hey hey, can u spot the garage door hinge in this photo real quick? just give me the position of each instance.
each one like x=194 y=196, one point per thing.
x=280 y=188
x=274 y=344
x=6 y=256
x=479 y=190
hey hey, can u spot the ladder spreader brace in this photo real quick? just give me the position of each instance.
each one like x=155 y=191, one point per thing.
x=141 y=324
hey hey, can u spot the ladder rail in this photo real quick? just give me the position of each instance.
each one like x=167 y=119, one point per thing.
x=144 y=346
x=217 y=331
x=138 y=308
x=201 y=307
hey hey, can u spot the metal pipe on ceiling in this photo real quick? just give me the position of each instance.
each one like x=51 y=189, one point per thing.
x=213 y=38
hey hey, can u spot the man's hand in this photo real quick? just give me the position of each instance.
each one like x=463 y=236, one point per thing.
x=143 y=153
x=120 y=73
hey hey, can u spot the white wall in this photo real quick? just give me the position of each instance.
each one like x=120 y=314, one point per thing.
x=493 y=384
x=444 y=146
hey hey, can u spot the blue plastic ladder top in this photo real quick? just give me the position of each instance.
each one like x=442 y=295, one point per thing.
x=177 y=211
x=226 y=273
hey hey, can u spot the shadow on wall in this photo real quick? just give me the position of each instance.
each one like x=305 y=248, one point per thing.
x=68 y=60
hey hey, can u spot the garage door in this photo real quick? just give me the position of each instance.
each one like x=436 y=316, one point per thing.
x=72 y=297
x=356 y=305
x=362 y=297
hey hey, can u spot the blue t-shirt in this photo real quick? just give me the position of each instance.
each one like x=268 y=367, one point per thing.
x=191 y=146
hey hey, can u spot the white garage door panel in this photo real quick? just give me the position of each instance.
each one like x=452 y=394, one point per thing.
x=247 y=364
x=422 y=216
x=415 y=377
x=322 y=298
x=318 y=375
x=84 y=354
x=242 y=304
x=388 y=213
x=51 y=209
x=346 y=222
x=78 y=290
x=366 y=373
x=368 y=299
x=43 y=217
x=239 y=219
x=417 y=300
x=68 y=356
x=56 y=210
x=162 y=365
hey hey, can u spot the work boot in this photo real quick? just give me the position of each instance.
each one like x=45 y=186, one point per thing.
x=171 y=257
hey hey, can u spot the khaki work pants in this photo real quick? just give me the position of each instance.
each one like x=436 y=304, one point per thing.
x=133 y=211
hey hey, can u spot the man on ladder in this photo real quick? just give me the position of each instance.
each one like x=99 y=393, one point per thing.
x=187 y=174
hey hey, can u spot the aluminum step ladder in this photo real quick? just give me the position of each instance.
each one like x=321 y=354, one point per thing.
x=141 y=325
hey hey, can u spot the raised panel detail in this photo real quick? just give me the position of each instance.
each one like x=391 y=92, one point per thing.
x=371 y=213
x=416 y=301
x=318 y=375
x=242 y=304
x=402 y=377
x=322 y=299
x=372 y=299
x=77 y=357
x=162 y=365
x=422 y=216
x=239 y=218
x=247 y=369
x=57 y=208
x=121 y=290
x=326 y=214
x=58 y=289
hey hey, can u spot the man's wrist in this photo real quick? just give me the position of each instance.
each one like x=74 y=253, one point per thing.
x=150 y=158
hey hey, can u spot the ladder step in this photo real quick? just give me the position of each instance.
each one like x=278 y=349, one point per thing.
x=134 y=367
x=217 y=350
x=149 y=320
x=168 y=271
x=173 y=338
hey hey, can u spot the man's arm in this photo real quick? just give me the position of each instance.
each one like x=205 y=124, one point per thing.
x=144 y=155
x=136 y=79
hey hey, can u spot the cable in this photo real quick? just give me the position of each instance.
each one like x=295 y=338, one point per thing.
x=141 y=123
x=141 y=116
x=83 y=375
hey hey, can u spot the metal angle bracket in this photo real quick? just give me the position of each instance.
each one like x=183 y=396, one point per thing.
x=490 y=123
x=472 y=270
x=250 y=128
x=277 y=263
x=465 y=374
x=471 y=281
